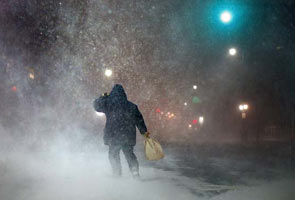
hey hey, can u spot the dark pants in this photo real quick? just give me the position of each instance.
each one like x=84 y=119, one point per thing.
x=114 y=156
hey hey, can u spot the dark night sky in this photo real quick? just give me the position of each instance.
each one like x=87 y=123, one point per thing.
x=165 y=46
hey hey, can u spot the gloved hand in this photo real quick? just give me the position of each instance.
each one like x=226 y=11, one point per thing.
x=105 y=94
x=147 y=134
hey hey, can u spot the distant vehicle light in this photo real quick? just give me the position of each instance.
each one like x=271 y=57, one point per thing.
x=31 y=76
x=201 y=120
x=14 y=88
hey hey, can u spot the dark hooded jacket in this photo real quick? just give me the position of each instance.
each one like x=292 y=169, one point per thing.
x=122 y=117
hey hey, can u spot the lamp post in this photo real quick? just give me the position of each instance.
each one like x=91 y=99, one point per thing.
x=243 y=108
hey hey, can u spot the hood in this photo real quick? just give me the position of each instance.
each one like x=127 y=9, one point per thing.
x=118 y=95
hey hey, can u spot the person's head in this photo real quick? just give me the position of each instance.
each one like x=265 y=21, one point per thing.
x=118 y=95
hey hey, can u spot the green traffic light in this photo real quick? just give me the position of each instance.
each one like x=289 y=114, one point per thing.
x=196 y=99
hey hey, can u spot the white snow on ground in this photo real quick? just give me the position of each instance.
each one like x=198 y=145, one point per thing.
x=65 y=176
x=78 y=177
x=278 y=190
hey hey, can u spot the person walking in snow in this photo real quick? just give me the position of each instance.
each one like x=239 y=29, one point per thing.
x=122 y=118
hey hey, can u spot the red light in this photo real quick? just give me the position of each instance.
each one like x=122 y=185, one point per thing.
x=13 y=88
x=158 y=110
x=195 y=121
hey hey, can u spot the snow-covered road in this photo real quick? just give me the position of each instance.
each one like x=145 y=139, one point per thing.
x=63 y=176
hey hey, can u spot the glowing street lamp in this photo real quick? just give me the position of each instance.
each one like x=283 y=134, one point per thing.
x=243 y=108
x=195 y=87
x=185 y=103
x=108 y=72
x=226 y=17
x=232 y=51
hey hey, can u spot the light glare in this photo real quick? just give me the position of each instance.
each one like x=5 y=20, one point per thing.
x=108 y=72
x=100 y=114
x=201 y=120
x=225 y=17
x=31 y=76
x=232 y=51
x=241 y=107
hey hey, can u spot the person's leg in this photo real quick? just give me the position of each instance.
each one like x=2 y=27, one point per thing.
x=131 y=159
x=114 y=157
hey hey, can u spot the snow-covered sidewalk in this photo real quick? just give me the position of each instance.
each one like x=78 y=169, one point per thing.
x=69 y=176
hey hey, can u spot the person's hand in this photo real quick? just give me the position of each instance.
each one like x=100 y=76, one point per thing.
x=105 y=94
x=147 y=134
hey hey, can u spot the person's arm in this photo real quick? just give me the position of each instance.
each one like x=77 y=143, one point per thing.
x=100 y=103
x=139 y=121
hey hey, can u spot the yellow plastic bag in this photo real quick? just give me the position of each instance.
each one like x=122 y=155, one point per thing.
x=153 y=149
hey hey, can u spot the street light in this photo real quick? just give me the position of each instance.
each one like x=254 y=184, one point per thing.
x=108 y=72
x=232 y=51
x=243 y=108
x=185 y=103
x=226 y=17
x=195 y=87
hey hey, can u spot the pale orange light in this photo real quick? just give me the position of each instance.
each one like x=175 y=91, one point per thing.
x=31 y=76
